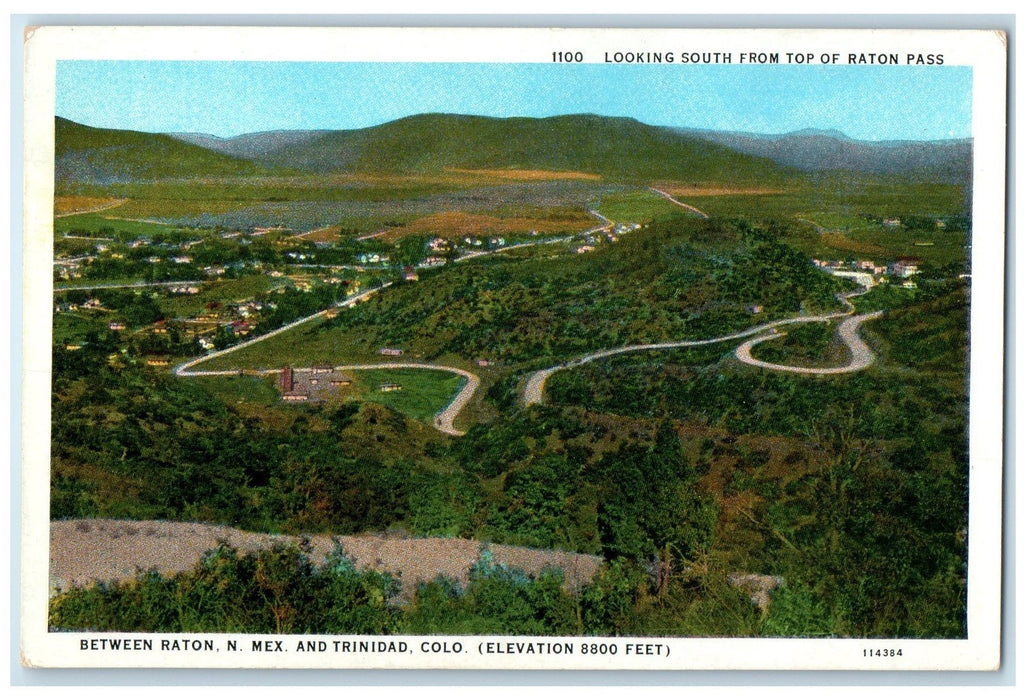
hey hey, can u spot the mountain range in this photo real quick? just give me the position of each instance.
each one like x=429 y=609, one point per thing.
x=617 y=148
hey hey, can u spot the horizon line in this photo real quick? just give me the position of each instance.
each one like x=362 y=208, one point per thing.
x=807 y=130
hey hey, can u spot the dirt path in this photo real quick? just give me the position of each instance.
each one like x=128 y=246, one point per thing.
x=128 y=285
x=693 y=210
x=83 y=552
x=372 y=235
x=310 y=233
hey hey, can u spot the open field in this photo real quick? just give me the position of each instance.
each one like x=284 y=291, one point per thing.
x=636 y=206
x=423 y=393
x=454 y=224
x=71 y=204
x=105 y=225
x=328 y=234
x=880 y=198
x=313 y=204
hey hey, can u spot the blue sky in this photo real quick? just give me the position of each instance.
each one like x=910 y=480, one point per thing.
x=231 y=98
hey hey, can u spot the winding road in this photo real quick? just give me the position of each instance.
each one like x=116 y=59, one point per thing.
x=861 y=355
x=443 y=420
x=185 y=369
x=534 y=388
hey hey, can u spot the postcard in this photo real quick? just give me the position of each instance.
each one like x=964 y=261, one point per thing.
x=468 y=348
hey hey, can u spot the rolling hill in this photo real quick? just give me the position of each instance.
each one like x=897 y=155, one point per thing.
x=104 y=156
x=616 y=148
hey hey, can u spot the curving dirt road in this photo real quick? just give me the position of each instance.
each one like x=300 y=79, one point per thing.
x=862 y=356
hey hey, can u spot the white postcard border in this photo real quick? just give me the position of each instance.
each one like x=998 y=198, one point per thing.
x=984 y=51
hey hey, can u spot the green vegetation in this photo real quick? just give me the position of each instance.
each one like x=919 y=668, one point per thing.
x=850 y=213
x=636 y=206
x=88 y=154
x=104 y=224
x=682 y=278
x=281 y=591
x=806 y=345
x=679 y=467
x=422 y=393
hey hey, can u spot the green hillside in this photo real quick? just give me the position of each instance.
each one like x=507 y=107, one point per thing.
x=617 y=148
x=86 y=154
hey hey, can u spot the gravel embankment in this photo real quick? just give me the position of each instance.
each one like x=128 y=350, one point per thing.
x=83 y=552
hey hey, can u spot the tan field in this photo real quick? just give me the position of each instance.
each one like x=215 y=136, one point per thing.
x=73 y=204
x=679 y=190
x=529 y=175
x=329 y=234
x=836 y=239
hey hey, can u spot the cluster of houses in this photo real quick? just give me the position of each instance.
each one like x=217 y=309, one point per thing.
x=611 y=235
x=312 y=384
x=184 y=289
x=868 y=272
x=88 y=304
x=316 y=384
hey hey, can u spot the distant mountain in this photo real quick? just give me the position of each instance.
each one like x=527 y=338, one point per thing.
x=263 y=145
x=102 y=156
x=617 y=148
x=815 y=150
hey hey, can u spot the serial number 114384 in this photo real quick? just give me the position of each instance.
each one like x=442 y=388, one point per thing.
x=881 y=652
